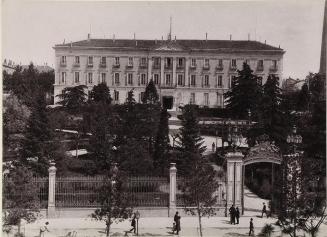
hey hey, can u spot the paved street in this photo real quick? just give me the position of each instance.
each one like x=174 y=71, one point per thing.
x=155 y=226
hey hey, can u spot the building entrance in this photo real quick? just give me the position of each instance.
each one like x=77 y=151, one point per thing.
x=167 y=102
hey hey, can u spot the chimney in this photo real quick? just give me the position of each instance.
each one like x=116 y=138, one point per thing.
x=63 y=42
x=134 y=36
x=136 y=43
x=230 y=37
x=279 y=46
x=175 y=37
x=161 y=37
x=71 y=44
x=265 y=41
x=206 y=36
x=88 y=36
x=113 y=38
x=155 y=41
x=248 y=37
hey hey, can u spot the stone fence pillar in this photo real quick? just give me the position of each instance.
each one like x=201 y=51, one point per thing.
x=234 y=183
x=52 y=191
x=172 y=189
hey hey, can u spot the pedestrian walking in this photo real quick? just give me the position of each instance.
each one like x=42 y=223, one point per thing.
x=133 y=224
x=264 y=210
x=178 y=223
x=251 y=227
x=43 y=229
x=237 y=215
x=213 y=146
x=232 y=214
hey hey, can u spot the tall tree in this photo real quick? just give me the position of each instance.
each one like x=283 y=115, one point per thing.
x=244 y=94
x=113 y=199
x=130 y=98
x=162 y=144
x=100 y=93
x=200 y=183
x=15 y=118
x=73 y=98
x=189 y=139
x=272 y=118
x=20 y=198
x=303 y=98
x=101 y=141
x=150 y=95
x=36 y=143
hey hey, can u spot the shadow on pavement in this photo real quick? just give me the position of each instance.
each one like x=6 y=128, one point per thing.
x=235 y=234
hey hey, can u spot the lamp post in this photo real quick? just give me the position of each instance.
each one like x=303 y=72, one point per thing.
x=137 y=216
x=235 y=139
x=293 y=169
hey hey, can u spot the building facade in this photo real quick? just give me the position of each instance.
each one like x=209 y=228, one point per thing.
x=184 y=71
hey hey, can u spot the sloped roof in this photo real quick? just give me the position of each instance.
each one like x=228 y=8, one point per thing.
x=177 y=44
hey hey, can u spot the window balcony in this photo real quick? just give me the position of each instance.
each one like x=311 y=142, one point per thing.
x=273 y=69
x=233 y=68
x=90 y=65
x=206 y=86
x=180 y=67
x=63 y=64
x=260 y=68
x=117 y=84
x=76 y=65
x=103 y=65
x=143 y=66
x=116 y=65
x=129 y=66
x=206 y=67
x=156 y=66
x=220 y=67
x=168 y=86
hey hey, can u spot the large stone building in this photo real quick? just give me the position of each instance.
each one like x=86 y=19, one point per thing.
x=184 y=71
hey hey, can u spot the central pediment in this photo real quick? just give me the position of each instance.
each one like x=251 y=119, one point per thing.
x=169 y=46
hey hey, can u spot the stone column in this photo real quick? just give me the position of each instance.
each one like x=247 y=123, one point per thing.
x=52 y=191
x=162 y=67
x=172 y=189
x=174 y=71
x=149 y=69
x=187 y=62
x=234 y=179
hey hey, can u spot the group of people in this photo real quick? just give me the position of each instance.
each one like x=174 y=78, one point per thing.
x=234 y=213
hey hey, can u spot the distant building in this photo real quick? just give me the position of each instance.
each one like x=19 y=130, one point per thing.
x=8 y=66
x=184 y=71
x=291 y=85
x=42 y=68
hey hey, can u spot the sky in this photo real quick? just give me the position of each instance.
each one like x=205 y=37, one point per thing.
x=30 y=29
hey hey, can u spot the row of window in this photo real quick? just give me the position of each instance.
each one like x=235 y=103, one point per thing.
x=156 y=79
x=206 y=102
x=168 y=62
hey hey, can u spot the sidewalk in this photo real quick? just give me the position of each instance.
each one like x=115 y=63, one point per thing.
x=156 y=226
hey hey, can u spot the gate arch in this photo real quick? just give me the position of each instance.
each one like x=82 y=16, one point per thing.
x=264 y=151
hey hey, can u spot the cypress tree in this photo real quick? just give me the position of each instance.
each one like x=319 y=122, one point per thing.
x=150 y=95
x=191 y=143
x=244 y=94
x=161 y=147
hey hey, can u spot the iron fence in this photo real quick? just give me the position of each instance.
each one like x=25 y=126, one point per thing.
x=220 y=193
x=149 y=191
x=41 y=186
x=77 y=191
x=84 y=191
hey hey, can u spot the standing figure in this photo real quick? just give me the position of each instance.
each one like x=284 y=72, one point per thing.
x=213 y=147
x=178 y=223
x=133 y=224
x=251 y=227
x=264 y=210
x=232 y=214
x=44 y=229
x=237 y=215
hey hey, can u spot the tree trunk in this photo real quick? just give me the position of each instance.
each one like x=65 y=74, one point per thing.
x=200 y=224
x=18 y=226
